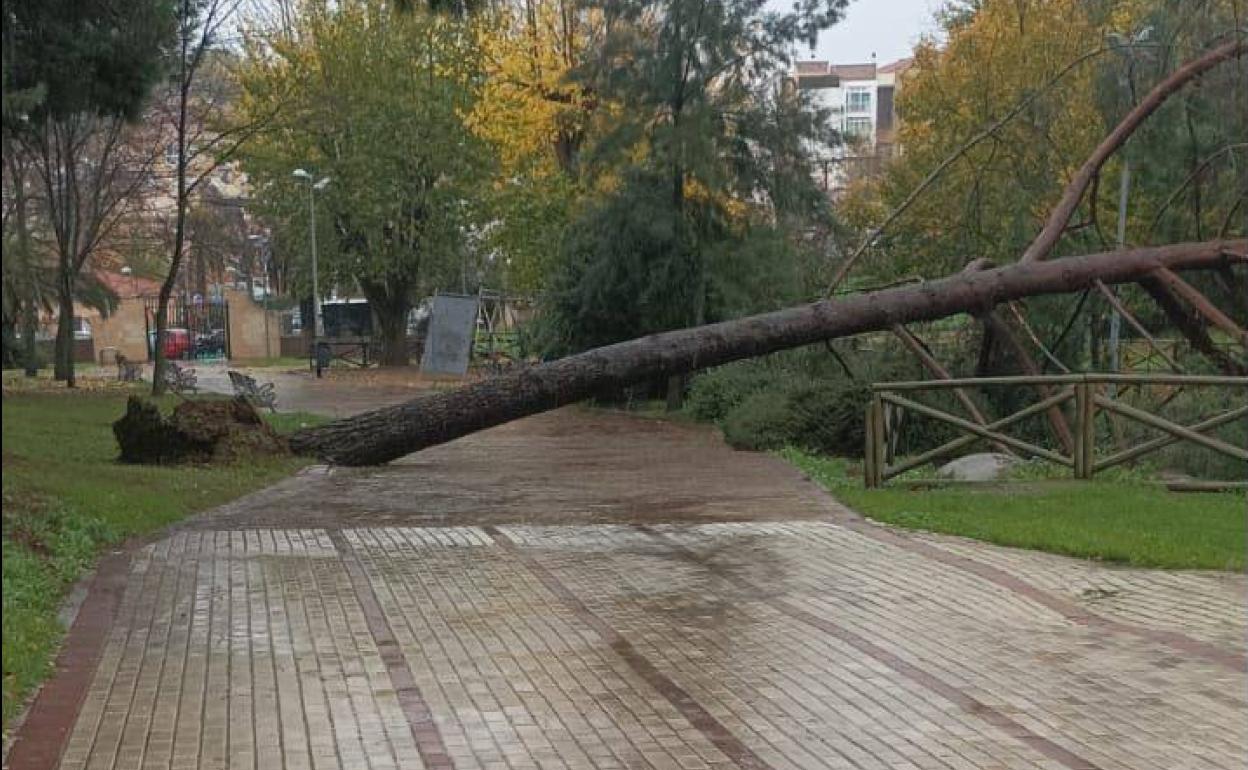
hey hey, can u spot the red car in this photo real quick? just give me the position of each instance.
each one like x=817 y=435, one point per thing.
x=177 y=343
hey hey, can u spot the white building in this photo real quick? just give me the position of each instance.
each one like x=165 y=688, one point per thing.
x=861 y=98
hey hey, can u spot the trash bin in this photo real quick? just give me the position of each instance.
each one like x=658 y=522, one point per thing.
x=323 y=357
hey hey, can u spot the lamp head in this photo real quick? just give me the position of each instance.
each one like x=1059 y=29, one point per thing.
x=301 y=174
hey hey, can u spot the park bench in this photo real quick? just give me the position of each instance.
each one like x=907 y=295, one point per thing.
x=181 y=380
x=356 y=351
x=127 y=370
x=258 y=394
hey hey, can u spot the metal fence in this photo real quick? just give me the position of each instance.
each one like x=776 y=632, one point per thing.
x=197 y=330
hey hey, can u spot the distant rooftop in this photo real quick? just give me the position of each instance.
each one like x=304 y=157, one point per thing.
x=899 y=66
x=821 y=74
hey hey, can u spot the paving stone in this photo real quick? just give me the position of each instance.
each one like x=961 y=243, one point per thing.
x=725 y=614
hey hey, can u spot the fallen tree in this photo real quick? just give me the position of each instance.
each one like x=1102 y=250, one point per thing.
x=382 y=435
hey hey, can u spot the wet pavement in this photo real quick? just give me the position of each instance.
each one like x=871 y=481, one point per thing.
x=340 y=393
x=591 y=590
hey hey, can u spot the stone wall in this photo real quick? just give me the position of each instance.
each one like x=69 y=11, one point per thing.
x=247 y=328
x=125 y=331
x=122 y=332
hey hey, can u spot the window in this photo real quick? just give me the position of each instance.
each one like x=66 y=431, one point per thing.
x=858 y=100
x=858 y=127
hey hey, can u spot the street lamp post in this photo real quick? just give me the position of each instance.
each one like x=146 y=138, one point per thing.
x=318 y=326
x=1125 y=47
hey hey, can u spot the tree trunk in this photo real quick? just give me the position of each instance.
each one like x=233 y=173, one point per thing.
x=63 y=368
x=675 y=392
x=383 y=435
x=159 y=363
x=391 y=306
x=393 y=328
x=30 y=350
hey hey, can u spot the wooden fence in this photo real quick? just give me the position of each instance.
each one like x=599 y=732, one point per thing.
x=1089 y=394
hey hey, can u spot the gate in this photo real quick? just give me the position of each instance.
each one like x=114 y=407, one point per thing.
x=197 y=329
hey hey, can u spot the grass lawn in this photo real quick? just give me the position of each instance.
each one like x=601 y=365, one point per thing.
x=1116 y=520
x=65 y=497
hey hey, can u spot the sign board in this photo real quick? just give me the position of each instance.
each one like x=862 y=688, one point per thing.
x=448 y=343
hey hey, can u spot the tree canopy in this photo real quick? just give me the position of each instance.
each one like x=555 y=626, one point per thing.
x=375 y=102
x=1066 y=71
x=63 y=57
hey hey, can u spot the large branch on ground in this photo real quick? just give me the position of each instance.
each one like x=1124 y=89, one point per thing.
x=386 y=434
x=929 y=361
x=1057 y=419
x=1201 y=304
x=996 y=328
x=1127 y=316
x=1043 y=245
x=1190 y=325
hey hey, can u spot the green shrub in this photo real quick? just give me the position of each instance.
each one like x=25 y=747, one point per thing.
x=823 y=417
x=762 y=421
x=717 y=392
x=830 y=417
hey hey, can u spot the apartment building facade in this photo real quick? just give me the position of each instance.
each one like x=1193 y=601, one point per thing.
x=862 y=99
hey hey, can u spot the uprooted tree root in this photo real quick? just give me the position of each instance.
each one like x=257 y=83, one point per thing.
x=197 y=431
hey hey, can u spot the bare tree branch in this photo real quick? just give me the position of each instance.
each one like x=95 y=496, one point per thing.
x=988 y=131
x=1043 y=244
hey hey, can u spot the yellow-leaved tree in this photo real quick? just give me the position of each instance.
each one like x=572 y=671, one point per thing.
x=538 y=117
x=991 y=201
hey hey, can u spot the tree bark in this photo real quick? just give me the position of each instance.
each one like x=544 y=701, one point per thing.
x=30 y=350
x=382 y=435
x=393 y=328
x=1057 y=420
x=1190 y=325
x=63 y=349
x=391 y=307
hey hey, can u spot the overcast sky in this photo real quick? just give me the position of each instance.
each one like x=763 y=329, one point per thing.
x=888 y=28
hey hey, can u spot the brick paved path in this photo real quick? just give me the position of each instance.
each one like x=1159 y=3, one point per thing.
x=584 y=590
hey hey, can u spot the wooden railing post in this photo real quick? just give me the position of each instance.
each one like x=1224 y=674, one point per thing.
x=1089 y=432
x=868 y=446
x=881 y=442
x=875 y=445
x=1085 y=430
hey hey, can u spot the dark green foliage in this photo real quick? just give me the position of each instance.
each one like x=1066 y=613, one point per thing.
x=830 y=416
x=625 y=269
x=621 y=273
x=823 y=417
x=762 y=421
x=708 y=171
x=717 y=392
x=1186 y=408
x=83 y=56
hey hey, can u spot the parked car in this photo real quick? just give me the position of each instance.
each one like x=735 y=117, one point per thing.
x=211 y=344
x=177 y=343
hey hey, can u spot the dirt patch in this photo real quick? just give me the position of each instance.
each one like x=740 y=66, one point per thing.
x=9 y=459
x=197 y=431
